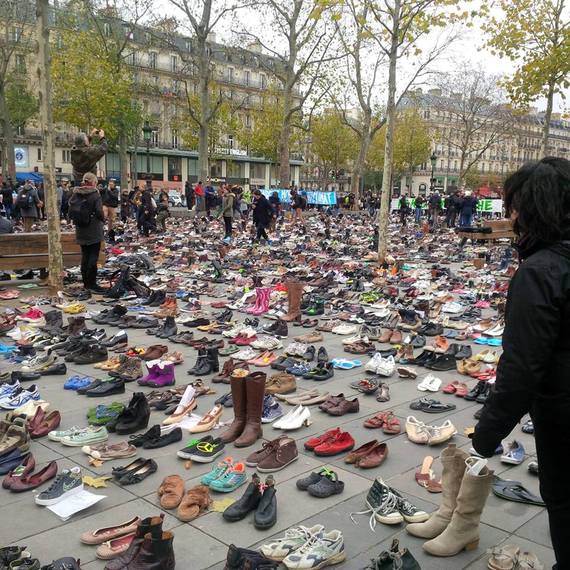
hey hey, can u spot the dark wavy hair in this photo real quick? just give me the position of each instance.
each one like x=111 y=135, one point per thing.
x=539 y=193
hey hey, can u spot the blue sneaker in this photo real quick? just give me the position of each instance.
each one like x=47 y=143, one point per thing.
x=513 y=454
x=233 y=478
x=9 y=388
x=20 y=397
x=271 y=410
x=76 y=382
x=218 y=471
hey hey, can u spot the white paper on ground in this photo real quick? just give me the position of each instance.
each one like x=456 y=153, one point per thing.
x=73 y=504
x=189 y=421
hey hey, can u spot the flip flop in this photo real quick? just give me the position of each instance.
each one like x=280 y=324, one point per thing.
x=515 y=491
x=346 y=364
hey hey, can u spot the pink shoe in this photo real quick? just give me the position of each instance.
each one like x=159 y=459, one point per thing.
x=31 y=315
x=265 y=295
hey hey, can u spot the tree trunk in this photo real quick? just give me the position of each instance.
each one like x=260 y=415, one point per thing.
x=203 y=133
x=384 y=216
x=358 y=169
x=10 y=164
x=55 y=267
x=284 y=168
x=547 y=118
x=124 y=160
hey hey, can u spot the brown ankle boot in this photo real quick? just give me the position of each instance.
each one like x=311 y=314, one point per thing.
x=151 y=526
x=156 y=553
x=294 y=295
x=255 y=392
x=239 y=401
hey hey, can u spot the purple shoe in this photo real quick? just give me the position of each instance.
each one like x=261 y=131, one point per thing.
x=164 y=376
x=151 y=378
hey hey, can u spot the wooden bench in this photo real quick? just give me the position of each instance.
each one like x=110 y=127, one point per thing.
x=500 y=229
x=30 y=251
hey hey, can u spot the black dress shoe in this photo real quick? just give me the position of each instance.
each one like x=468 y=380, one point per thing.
x=442 y=363
x=25 y=376
x=145 y=470
x=59 y=368
x=119 y=338
x=93 y=384
x=164 y=440
x=107 y=389
x=96 y=353
x=141 y=439
x=471 y=396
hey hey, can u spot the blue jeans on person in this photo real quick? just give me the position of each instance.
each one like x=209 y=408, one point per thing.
x=466 y=219
x=8 y=210
x=418 y=215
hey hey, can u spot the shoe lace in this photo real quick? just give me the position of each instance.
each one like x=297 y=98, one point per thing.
x=390 y=503
x=378 y=563
x=55 y=482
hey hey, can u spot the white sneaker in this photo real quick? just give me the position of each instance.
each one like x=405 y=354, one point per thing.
x=386 y=366
x=267 y=343
x=356 y=338
x=344 y=329
x=245 y=354
x=294 y=539
x=373 y=363
x=232 y=333
x=323 y=549
x=430 y=384
x=453 y=308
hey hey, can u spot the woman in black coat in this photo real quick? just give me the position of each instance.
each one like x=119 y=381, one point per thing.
x=262 y=215
x=533 y=374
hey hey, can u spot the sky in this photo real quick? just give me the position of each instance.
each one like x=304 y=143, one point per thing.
x=469 y=48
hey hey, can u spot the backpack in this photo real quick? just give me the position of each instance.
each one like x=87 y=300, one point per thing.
x=25 y=199
x=80 y=213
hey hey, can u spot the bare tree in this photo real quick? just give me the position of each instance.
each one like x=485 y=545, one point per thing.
x=55 y=278
x=363 y=67
x=402 y=23
x=474 y=114
x=307 y=39
x=15 y=42
x=201 y=18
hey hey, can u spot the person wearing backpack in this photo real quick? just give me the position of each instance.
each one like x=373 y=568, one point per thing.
x=86 y=213
x=28 y=202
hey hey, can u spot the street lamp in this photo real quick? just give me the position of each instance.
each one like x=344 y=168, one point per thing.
x=147 y=134
x=433 y=159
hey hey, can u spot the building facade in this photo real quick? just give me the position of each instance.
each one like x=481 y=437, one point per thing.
x=520 y=143
x=163 y=75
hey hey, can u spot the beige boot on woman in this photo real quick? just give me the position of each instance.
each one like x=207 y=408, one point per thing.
x=453 y=461
x=462 y=532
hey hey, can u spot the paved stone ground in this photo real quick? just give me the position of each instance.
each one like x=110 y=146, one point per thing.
x=203 y=543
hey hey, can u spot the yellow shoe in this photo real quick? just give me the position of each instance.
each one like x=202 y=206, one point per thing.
x=75 y=309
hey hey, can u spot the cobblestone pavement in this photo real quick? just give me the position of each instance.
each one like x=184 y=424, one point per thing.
x=203 y=543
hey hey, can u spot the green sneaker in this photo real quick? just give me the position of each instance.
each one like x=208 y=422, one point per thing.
x=231 y=349
x=58 y=435
x=87 y=436
x=233 y=478
x=218 y=471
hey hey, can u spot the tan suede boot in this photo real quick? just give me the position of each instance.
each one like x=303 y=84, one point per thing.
x=294 y=295
x=453 y=461
x=462 y=533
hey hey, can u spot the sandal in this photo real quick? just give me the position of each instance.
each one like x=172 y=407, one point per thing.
x=391 y=425
x=425 y=478
x=503 y=557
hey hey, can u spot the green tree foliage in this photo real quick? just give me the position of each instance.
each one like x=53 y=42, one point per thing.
x=22 y=104
x=536 y=35
x=89 y=90
x=412 y=143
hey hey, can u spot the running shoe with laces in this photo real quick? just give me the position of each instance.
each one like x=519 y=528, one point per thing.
x=58 y=435
x=321 y=550
x=294 y=539
x=20 y=397
x=67 y=483
x=271 y=410
x=382 y=505
x=218 y=471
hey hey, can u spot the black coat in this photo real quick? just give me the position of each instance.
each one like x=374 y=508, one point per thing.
x=94 y=232
x=262 y=211
x=533 y=374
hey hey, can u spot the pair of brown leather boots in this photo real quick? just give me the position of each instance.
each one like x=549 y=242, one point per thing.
x=247 y=396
